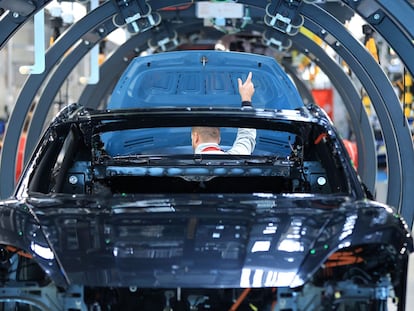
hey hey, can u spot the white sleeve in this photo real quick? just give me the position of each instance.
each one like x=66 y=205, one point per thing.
x=244 y=143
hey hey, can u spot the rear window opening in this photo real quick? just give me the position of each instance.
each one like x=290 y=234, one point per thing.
x=161 y=160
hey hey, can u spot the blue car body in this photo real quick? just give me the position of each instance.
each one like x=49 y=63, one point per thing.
x=200 y=79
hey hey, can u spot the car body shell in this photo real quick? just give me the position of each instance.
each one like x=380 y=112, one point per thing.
x=154 y=232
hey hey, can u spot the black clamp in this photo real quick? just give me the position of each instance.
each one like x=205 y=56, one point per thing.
x=165 y=39
x=284 y=15
x=276 y=40
x=137 y=15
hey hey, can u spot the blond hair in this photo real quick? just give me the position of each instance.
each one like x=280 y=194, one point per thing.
x=207 y=133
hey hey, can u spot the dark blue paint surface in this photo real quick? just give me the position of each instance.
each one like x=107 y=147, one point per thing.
x=203 y=78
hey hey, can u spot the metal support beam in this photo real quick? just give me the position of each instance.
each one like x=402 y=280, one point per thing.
x=39 y=45
x=94 y=54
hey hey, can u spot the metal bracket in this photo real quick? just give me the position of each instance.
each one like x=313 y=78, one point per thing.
x=39 y=46
x=284 y=16
x=137 y=15
x=274 y=39
x=94 y=55
x=164 y=41
x=376 y=17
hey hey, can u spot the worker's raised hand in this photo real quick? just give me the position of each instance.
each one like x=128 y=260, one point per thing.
x=246 y=88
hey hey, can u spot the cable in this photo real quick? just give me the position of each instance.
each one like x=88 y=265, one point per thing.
x=239 y=300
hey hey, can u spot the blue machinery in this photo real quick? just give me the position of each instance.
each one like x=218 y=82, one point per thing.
x=277 y=20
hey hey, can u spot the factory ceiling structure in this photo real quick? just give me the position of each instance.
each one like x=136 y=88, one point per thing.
x=159 y=24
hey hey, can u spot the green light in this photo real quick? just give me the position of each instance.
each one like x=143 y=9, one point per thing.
x=20 y=233
x=326 y=246
x=313 y=251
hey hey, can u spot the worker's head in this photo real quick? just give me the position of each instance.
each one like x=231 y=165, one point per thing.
x=204 y=134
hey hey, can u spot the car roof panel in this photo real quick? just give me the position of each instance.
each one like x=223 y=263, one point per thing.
x=203 y=78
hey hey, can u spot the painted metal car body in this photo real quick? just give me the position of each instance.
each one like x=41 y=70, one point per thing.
x=115 y=212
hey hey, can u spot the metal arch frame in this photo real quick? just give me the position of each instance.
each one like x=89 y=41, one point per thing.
x=33 y=84
x=92 y=95
x=396 y=133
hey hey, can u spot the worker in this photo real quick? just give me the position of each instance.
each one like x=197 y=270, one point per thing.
x=207 y=139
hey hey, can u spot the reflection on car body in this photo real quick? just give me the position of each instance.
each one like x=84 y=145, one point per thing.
x=114 y=211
